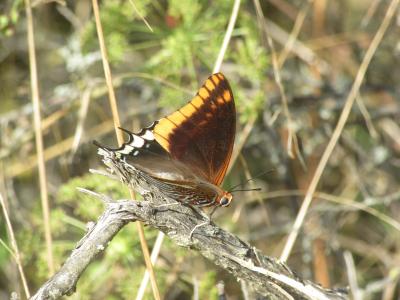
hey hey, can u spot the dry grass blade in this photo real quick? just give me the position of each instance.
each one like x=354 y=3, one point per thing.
x=39 y=137
x=361 y=206
x=391 y=129
x=285 y=7
x=319 y=17
x=227 y=37
x=344 y=201
x=239 y=208
x=107 y=73
x=294 y=34
x=54 y=151
x=81 y=120
x=352 y=276
x=141 y=16
x=4 y=244
x=301 y=50
x=117 y=123
x=370 y=13
x=339 y=128
x=14 y=245
x=292 y=145
x=154 y=256
x=241 y=140
x=367 y=117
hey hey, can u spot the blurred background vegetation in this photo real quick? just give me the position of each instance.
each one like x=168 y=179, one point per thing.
x=356 y=211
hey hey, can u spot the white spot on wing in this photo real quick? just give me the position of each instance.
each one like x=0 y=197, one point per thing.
x=138 y=142
x=126 y=150
x=148 y=135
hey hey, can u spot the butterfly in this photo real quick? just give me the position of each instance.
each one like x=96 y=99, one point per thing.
x=186 y=154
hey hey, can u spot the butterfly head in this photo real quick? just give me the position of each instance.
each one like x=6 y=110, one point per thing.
x=225 y=199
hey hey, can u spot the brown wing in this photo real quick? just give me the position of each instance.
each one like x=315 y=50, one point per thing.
x=201 y=134
x=146 y=154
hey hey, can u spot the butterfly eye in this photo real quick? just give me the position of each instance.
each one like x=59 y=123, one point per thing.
x=225 y=201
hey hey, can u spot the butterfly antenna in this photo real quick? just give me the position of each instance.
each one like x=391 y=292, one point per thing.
x=251 y=179
x=246 y=190
x=130 y=134
x=96 y=143
x=125 y=130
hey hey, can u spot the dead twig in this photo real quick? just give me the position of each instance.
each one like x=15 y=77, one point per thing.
x=266 y=275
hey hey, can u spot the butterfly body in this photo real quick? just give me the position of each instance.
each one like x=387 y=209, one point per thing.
x=185 y=155
x=194 y=192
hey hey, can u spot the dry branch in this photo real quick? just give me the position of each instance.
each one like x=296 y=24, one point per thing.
x=266 y=275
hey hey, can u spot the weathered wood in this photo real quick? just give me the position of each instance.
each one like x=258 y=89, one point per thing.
x=266 y=275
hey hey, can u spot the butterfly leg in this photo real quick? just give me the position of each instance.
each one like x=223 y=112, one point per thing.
x=207 y=217
x=213 y=211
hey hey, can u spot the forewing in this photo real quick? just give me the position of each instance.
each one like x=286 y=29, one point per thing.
x=201 y=134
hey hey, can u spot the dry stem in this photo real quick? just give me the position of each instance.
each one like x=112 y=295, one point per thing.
x=117 y=123
x=338 y=129
x=39 y=137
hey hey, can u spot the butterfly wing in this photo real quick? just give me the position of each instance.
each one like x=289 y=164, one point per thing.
x=145 y=153
x=201 y=134
x=193 y=143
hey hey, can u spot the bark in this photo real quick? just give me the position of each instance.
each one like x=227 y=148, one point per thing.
x=266 y=275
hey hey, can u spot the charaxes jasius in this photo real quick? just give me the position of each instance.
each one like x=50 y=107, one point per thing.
x=186 y=155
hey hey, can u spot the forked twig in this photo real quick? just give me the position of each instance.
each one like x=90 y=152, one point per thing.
x=266 y=275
